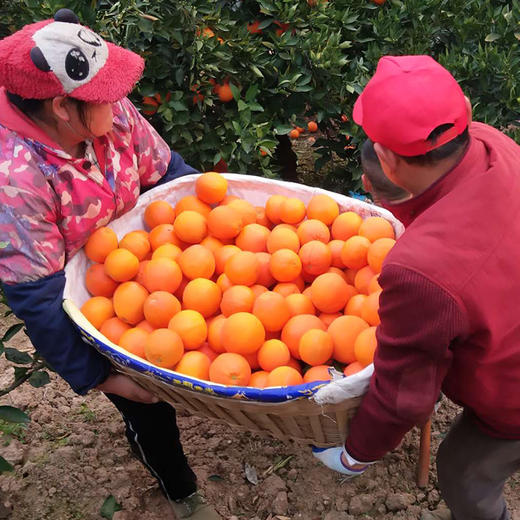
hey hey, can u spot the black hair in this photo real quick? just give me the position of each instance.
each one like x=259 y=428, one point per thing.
x=382 y=187
x=442 y=152
x=34 y=107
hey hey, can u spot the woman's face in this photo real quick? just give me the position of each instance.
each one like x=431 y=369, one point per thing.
x=97 y=121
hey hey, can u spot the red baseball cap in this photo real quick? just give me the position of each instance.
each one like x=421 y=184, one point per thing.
x=60 y=57
x=405 y=100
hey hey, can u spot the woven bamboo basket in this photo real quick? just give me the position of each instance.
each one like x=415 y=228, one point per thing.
x=288 y=413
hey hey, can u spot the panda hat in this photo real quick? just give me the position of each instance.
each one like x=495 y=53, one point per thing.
x=60 y=57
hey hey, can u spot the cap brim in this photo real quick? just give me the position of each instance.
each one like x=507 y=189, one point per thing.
x=115 y=80
x=357 y=112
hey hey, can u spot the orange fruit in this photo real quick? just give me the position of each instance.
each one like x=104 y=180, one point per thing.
x=159 y=308
x=227 y=199
x=246 y=209
x=273 y=208
x=353 y=368
x=202 y=295
x=129 y=300
x=170 y=251
x=191 y=227
x=158 y=212
x=283 y=225
x=211 y=187
x=363 y=278
x=307 y=292
x=137 y=243
x=212 y=243
x=284 y=376
x=285 y=265
x=192 y=203
x=315 y=347
x=100 y=243
x=265 y=277
x=230 y=369
x=223 y=255
x=224 y=283
x=294 y=363
x=312 y=126
x=258 y=290
x=121 y=265
x=346 y=225
x=194 y=364
x=224 y=222
x=323 y=207
x=294 y=133
x=329 y=292
x=365 y=346
x=253 y=237
x=162 y=274
x=376 y=227
x=164 y=348
x=180 y=290
x=215 y=333
x=163 y=234
x=258 y=379
x=145 y=326
x=272 y=310
x=242 y=268
x=134 y=341
x=296 y=327
x=327 y=318
x=377 y=253
x=315 y=256
x=299 y=304
x=313 y=230
x=335 y=247
x=273 y=353
x=370 y=308
x=317 y=373
x=286 y=288
x=98 y=283
x=197 y=262
x=261 y=217
x=292 y=210
x=252 y=359
x=191 y=327
x=373 y=285
x=238 y=298
x=113 y=329
x=282 y=238
x=97 y=310
x=207 y=351
x=354 y=253
x=350 y=275
x=344 y=331
x=225 y=94
x=242 y=333
x=354 y=306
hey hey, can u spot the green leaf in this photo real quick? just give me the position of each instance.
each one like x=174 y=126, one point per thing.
x=282 y=129
x=20 y=372
x=492 y=37
x=3 y=244
x=18 y=357
x=4 y=465
x=109 y=507
x=13 y=415
x=235 y=90
x=215 y=478
x=11 y=331
x=251 y=93
x=178 y=106
x=39 y=379
x=256 y=70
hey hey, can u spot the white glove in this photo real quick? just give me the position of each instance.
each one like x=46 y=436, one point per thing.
x=333 y=459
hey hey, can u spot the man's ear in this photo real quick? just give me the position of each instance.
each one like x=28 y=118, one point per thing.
x=367 y=185
x=59 y=108
x=387 y=159
x=469 y=109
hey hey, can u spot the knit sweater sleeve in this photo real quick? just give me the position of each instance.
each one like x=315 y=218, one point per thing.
x=420 y=322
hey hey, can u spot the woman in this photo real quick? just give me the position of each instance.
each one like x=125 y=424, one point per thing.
x=74 y=155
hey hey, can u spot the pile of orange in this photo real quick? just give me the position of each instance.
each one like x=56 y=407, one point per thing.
x=221 y=290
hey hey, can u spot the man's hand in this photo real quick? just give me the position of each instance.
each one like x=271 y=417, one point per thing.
x=123 y=386
x=337 y=460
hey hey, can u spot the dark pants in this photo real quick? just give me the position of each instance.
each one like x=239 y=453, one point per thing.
x=154 y=437
x=472 y=468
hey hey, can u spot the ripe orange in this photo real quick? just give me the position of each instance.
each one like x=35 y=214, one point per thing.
x=344 y=331
x=285 y=265
x=294 y=363
x=273 y=208
x=261 y=218
x=286 y=288
x=246 y=209
x=376 y=227
x=258 y=379
x=137 y=243
x=223 y=255
x=190 y=202
x=163 y=234
x=113 y=329
x=273 y=353
x=202 y=295
x=284 y=376
x=354 y=306
x=299 y=304
x=162 y=274
x=324 y=208
x=272 y=310
x=98 y=283
x=224 y=222
x=207 y=351
x=292 y=210
x=313 y=230
x=194 y=364
x=121 y=265
x=253 y=237
x=134 y=341
x=335 y=247
x=312 y=126
x=163 y=348
x=354 y=253
x=211 y=187
x=242 y=333
x=258 y=290
x=294 y=133
x=327 y=318
x=370 y=308
x=145 y=326
x=242 y=268
x=230 y=369
x=296 y=327
x=197 y=262
x=238 y=298
x=315 y=347
x=377 y=253
x=365 y=346
x=349 y=274
x=224 y=283
x=191 y=227
x=329 y=292
x=212 y=243
x=158 y=212
x=316 y=257
x=265 y=277
x=317 y=373
x=159 y=308
x=97 y=310
x=225 y=94
x=129 y=300
x=100 y=243
x=180 y=290
x=346 y=225
x=191 y=327
x=373 y=285
x=363 y=278
x=282 y=238
x=353 y=368
x=215 y=333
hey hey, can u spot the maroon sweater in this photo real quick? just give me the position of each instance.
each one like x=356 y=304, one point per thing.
x=450 y=306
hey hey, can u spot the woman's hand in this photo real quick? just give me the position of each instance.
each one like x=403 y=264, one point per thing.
x=123 y=386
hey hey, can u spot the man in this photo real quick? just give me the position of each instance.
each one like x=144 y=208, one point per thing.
x=451 y=292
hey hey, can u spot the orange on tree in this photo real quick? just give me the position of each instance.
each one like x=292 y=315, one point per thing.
x=159 y=308
x=129 y=300
x=376 y=227
x=202 y=295
x=191 y=327
x=329 y=292
x=197 y=261
x=191 y=227
x=296 y=327
x=242 y=333
x=113 y=329
x=272 y=310
x=164 y=348
x=294 y=133
x=273 y=353
x=324 y=208
x=315 y=347
x=312 y=126
x=162 y=274
x=317 y=373
x=230 y=369
x=284 y=376
x=225 y=94
x=238 y=298
x=97 y=310
x=98 y=283
x=344 y=331
x=134 y=341
x=346 y=225
x=194 y=364
x=365 y=346
x=158 y=212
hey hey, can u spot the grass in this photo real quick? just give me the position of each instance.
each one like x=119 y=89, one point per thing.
x=10 y=431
